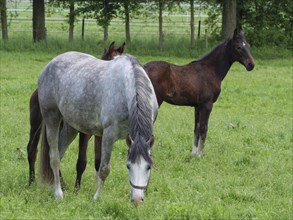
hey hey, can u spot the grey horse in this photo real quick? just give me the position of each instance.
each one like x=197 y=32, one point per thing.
x=110 y=99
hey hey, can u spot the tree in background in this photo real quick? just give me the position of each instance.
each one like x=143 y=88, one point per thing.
x=158 y=5
x=214 y=12
x=228 y=10
x=3 y=19
x=161 y=35
x=267 y=22
x=67 y=4
x=228 y=18
x=71 y=20
x=39 y=29
x=192 y=9
x=127 y=21
x=192 y=41
x=162 y=5
x=129 y=7
x=101 y=10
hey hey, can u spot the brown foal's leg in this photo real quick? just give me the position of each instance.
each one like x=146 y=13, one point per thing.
x=82 y=158
x=205 y=111
x=35 y=131
x=196 y=132
x=98 y=144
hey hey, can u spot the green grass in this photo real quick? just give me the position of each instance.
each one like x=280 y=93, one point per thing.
x=246 y=172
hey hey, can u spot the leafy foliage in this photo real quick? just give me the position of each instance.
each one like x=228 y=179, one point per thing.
x=268 y=22
x=213 y=20
x=265 y=22
x=103 y=11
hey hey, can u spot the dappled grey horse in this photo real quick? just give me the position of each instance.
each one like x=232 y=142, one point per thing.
x=36 y=124
x=110 y=99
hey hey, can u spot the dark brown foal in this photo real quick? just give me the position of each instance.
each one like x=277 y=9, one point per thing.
x=35 y=128
x=198 y=83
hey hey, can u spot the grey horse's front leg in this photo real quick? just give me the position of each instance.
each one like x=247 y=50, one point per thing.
x=108 y=140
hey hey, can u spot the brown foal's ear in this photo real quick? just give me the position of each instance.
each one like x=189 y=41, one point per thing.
x=121 y=48
x=129 y=141
x=238 y=32
x=112 y=45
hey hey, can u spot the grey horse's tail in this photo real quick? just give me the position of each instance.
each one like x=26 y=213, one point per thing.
x=46 y=173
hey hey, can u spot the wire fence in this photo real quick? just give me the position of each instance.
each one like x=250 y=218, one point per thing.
x=174 y=23
x=58 y=27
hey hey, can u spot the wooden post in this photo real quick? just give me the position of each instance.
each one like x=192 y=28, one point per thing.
x=192 y=43
x=82 y=29
x=198 y=31
x=206 y=38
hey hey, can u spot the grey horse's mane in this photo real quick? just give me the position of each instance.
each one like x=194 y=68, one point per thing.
x=141 y=124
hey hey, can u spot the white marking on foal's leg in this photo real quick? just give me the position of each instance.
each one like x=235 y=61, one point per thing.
x=194 y=150
x=200 y=147
x=198 y=150
x=195 y=145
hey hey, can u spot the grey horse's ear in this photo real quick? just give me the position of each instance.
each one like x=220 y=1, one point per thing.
x=151 y=141
x=129 y=141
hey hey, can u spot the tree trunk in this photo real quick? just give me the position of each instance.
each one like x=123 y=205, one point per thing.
x=105 y=35
x=71 y=21
x=3 y=20
x=39 y=29
x=192 y=44
x=127 y=22
x=228 y=18
x=161 y=5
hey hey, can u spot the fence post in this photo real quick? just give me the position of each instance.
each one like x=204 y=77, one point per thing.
x=206 y=38
x=198 y=31
x=82 y=29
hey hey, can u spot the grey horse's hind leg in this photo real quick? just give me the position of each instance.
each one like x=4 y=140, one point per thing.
x=108 y=140
x=52 y=121
x=67 y=135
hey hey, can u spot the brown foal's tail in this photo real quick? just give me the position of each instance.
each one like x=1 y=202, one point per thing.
x=46 y=173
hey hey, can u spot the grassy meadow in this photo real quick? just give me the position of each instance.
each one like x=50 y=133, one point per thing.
x=246 y=172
